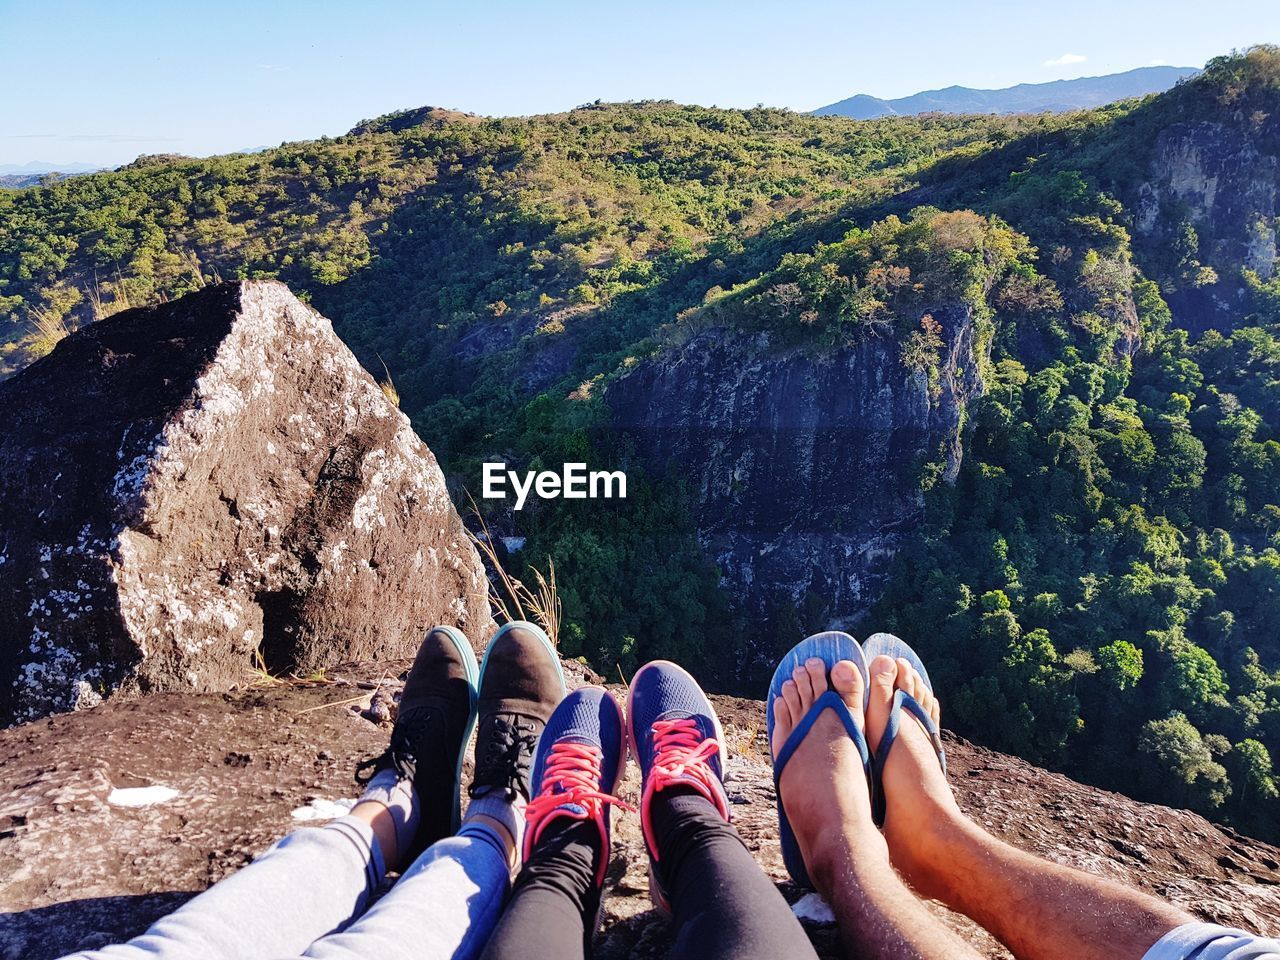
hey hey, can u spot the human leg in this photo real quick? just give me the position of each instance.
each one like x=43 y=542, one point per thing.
x=446 y=904
x=556 y=901
x=722 y=904
x=826 y=797
x=317 y=881
x=1040 y=910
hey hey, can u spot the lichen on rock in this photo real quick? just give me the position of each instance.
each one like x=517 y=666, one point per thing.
x=190 y=487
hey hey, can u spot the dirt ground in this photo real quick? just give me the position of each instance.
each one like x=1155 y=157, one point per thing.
x=78 y=871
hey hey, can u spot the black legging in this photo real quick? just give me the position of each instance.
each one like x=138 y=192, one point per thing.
x=724 y=906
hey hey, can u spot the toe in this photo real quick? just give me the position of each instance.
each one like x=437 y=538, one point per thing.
x=847 y=680
x=930 y=703
x=817 y=671
x=783 y=723
x=791 y=694
x=908 y=679
x=884 y=674
x=804 y=685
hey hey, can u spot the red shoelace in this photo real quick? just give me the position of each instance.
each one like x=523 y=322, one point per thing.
x=571 y=778
x=680 y=755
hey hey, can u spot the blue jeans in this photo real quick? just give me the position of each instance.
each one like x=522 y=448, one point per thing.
x=307 y=897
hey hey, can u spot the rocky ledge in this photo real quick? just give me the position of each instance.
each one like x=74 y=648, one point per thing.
x=80 y=867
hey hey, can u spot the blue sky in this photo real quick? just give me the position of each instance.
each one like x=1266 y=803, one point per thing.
x=101 y=82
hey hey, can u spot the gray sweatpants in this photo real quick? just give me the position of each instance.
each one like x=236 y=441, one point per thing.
x=1208 y=941
x=306 y=897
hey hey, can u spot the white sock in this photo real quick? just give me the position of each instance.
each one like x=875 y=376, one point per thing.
x=397 y=795
x=510 y=813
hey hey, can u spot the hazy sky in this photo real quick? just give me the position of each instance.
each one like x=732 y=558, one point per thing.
x=104 y=81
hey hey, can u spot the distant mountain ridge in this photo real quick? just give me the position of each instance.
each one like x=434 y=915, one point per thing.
x=41 y=166
x=16 y=176
x=1056 y=95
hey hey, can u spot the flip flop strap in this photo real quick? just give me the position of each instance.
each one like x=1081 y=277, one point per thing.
x=830 y=700
x=902 y=699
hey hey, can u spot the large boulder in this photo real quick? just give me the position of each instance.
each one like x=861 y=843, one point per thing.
x=190 y=490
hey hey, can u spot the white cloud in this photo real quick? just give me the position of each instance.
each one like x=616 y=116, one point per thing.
x=1157 y=63
x=1065 y=60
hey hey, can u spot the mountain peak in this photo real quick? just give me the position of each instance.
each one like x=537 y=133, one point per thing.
x=1056 y=95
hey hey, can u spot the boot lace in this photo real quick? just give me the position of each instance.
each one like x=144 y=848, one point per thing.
x=507 y=758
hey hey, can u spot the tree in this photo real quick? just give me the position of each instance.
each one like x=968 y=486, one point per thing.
x=923 y=349
x=1081 y=662
x=1254 y=778
x=1121 y=664
x=1176 y=756
x=1197 y=678
x=994 y=600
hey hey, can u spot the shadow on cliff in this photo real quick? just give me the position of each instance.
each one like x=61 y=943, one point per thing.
x=427 y=269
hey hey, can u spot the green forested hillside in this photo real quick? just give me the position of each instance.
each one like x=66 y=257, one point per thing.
x=1099 y=589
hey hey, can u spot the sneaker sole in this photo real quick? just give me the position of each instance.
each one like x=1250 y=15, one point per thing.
x=656 y=896
x=626 y=746
x=468 y=656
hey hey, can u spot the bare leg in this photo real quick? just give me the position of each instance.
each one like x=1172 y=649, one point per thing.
x=380 y=820
x=829 y=806
x=1039 y=910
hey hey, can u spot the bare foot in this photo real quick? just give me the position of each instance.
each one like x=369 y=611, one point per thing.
x=920 y=808
x=824 y=790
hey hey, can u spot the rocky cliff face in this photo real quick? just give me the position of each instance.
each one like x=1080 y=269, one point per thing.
x=1222 y=177
x=79 y=868
x=186 y=488
x=806 y=464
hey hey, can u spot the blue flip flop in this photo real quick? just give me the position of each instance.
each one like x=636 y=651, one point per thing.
x=886 y=644
x=830 y=647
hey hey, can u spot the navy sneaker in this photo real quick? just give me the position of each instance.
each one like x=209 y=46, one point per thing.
x=581 y=759
x=677 y=741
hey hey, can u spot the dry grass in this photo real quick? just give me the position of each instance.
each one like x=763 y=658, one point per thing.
x=48 y=327
x=364 y=698
x=741 y=740
x=261 y=677
x=514 y=599
x=101 y=306
x=388 y=385
x=191 y=261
